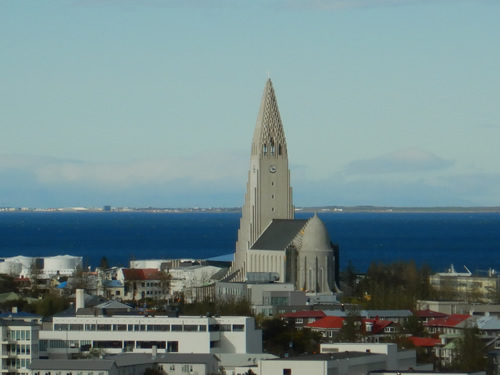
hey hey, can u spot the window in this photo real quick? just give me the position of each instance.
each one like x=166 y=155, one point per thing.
x=238 y=328
x=43 y=345
x=150 y=344
x=107 y=344
x=76 y=327
x=172 y=346
x=287 y=371
x=299 y=320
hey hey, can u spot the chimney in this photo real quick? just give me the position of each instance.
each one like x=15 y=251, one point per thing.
x=79 y=300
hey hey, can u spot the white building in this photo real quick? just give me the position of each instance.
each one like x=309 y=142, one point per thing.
x=21 y=266
x=185 y=279
x=70 y=335
x=19 y=345
x=346 y=359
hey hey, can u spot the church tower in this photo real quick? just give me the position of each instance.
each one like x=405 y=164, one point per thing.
x=268 y=195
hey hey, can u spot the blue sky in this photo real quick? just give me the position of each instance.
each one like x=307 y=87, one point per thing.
x=154 y=102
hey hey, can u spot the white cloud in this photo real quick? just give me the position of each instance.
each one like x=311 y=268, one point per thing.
x=400 y=161
x=201 y=168
x=200 y=180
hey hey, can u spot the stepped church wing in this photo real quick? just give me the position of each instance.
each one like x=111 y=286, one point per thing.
x=272 y=245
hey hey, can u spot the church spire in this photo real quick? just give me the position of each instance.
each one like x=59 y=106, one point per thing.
x=268 y=195
x=269 y=137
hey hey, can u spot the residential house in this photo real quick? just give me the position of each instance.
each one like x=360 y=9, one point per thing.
x=299 y=319
x=143 y=283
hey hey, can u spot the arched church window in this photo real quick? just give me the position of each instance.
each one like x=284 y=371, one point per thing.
x=264 y=148
x=310 y=281
x=280 y=150
x=272 y=146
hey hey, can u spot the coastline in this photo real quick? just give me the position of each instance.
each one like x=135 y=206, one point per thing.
x=318 y=209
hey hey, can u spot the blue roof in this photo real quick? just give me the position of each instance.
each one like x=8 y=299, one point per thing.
x=20 y=314
x=63 y=285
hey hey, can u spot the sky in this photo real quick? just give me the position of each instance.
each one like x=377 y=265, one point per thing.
x=153 y=103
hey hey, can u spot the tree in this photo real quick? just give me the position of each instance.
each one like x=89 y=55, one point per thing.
x=81 y=280
x=104 y=264
x=51 y=304
x=394 y=286
x=280 y=338
x=349 y=278
x=469 y=354
x=351 y=328
x=154 y=371
x=413 y=325
x=35 y=276
x=7 y=284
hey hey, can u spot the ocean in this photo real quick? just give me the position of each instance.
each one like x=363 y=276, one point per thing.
x=437 y=239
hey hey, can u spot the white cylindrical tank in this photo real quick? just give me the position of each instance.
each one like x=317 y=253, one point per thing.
x=62 y=264
x=13 y=268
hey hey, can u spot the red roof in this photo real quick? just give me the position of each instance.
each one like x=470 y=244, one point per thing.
x=378 y=325
x=328 y=322
x=424 y=341
x=142 y=274
x=448 y=321
x=304 y=314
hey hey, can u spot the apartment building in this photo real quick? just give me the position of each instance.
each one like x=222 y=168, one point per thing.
x=19 y=345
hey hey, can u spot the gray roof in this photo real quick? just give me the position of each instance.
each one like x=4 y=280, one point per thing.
x=220 y=274
x=112 y=304
x=373 y=313
x=326 y=357
x=185 y=358
x=388 y=313
x=71 y=364
x=129 y=359
x=243 y=359
x=488 y=323
x=279 y=234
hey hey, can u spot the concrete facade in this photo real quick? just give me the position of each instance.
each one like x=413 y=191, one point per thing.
x=270 y=240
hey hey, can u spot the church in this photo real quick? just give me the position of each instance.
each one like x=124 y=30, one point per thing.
x=272 y=245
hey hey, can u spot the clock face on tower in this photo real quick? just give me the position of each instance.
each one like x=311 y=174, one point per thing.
x=272 y=168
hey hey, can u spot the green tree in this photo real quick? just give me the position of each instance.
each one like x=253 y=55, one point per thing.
x=7 y=284
x=351 y=328
x=413 y=326
x=51 y=304
x=280 y=338
x=348 y=279
x=394 y=286
x=469 y=353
